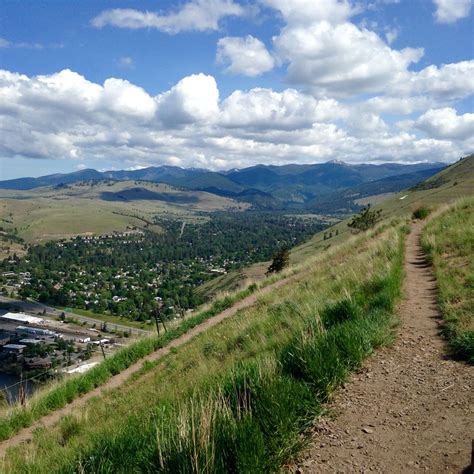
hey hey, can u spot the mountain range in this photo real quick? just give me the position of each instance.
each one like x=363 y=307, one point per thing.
x=326 y=187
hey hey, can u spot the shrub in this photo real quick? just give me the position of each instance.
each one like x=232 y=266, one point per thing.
x=365 y=220
x=281 y=260
x=421 y=213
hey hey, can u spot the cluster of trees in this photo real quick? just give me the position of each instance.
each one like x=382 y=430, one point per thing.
x=126 y=275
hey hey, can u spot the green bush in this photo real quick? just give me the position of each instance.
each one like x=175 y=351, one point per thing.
x=421 y=213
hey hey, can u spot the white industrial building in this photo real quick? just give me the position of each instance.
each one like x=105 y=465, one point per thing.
x=23 y=318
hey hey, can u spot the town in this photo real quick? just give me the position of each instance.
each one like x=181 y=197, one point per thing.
x=128 y=274
x=36 y=349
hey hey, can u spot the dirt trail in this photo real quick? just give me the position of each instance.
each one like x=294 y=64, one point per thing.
x=26 y=434
x=410 y=408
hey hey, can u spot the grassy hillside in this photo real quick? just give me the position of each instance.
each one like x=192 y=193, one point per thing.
x=236 y=397
x=454 y=182
x=449 y=242
x=101 y=208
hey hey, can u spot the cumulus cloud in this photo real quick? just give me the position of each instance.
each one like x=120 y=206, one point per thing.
x=397 y=105
x=450 y=11
x=445 y=123
x=447 y=82
x=124 y=98
x=194 y=98
x=196 y=15
x=332 y=56
x=247 y=56
x=288 y=110
x=66 y=116
x=304 y=12
x=341 y=60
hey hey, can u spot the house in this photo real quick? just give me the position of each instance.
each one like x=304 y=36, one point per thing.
x=14 y=348
x=37 y=363
x=31 y=342
x=36 y=332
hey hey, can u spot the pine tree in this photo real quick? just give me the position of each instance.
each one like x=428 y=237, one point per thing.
x=281 y=259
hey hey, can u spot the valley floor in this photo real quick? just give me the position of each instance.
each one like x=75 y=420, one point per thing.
x=409 y=408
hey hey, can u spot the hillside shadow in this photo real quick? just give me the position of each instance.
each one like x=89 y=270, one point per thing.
x=143 y=194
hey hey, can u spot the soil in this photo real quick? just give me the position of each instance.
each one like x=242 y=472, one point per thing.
x=410 y=408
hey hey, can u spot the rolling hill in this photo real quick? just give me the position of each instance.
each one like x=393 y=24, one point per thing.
x=310 y=187
x=102 y=207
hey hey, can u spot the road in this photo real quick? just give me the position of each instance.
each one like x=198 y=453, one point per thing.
x=34 y=307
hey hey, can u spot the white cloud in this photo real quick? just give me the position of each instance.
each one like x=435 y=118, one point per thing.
x=304 y=12
x=447 y=82
x=446 y=124
x=4 y=43
x=450 y=11
x=396 y=104
x=327 y=54
x=66 y=116
x=124 y=98
x=342 y=59
x=126 y=62
x=194 y=98
x=391 y=34
x=331 y=57
x=288 y=110
x=196 y=15
x=366 y=125
x=247 y=56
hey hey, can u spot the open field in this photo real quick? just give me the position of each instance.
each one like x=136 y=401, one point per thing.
x=82 y=209
x=449 y=243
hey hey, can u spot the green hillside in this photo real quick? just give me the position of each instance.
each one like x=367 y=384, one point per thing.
x=236 y=386
x=452 y=183
x=102 y=207
x=237 y=397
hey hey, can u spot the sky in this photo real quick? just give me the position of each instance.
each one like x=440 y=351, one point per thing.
x=223 y=84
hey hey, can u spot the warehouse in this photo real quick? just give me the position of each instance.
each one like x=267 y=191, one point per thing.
x=23 y=318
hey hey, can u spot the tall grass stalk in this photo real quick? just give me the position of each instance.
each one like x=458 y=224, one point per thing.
x=61 y=393
x=448 y=241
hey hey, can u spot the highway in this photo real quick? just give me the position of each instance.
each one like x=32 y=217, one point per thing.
x=35 y=308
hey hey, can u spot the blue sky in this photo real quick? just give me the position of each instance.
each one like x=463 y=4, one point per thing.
x=223 y=84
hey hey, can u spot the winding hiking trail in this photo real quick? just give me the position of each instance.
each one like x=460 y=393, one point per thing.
x=409 y=408
x=26 y=434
